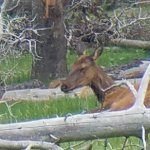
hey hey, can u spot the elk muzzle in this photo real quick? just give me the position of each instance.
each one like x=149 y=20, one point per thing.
x=64 y=88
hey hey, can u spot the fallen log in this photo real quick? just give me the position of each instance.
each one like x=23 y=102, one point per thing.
x=80 y=127
x=43 y=94
x=131 y=43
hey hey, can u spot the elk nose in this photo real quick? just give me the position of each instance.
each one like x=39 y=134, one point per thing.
x=64 y=88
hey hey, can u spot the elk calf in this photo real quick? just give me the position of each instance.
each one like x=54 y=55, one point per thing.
x=85 y=72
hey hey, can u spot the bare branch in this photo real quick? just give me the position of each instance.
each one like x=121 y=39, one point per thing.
x=13 y=7
x=9 y=107
x=140 y=2
x=10 y=112
x=18 y=33
x=5 y=144
x=128 y=17
x=123 y=82
x=143 y=138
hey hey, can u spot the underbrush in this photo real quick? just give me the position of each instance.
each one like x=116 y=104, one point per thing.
x=16 y=69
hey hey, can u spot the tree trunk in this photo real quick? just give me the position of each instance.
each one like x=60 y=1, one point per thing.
x=131 y=43
x=52 y=46
x=51 y=43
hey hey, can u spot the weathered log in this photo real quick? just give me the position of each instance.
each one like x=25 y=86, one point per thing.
x=131 y=43
x=80 y=127
x=44 y=94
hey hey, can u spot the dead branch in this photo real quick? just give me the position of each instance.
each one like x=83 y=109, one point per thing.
x=28 y=145
x=140 y=2
x=143 y=137
x=10 y=9
x=123 y=82
x=9 y=109
x=142 y=89
x=85 y=31
x=15 y=35
x=129 y=22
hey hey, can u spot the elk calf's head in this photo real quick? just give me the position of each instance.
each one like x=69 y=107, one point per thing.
x=85 y=72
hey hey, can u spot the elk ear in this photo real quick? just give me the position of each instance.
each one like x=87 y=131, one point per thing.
x=97 y=52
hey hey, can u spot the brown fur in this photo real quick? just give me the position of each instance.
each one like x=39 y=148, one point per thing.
x=55 y=83
x=85 y=72
x=122 y=98
x=48 y=3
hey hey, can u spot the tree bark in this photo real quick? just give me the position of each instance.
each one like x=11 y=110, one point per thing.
x=52 y=46
x=131 y=43
x=80 y=127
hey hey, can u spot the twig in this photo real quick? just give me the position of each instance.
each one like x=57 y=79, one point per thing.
x=123 y=82
x=124 y=143
x=6 y=144
x=75 y=145
x=10 y=112
x=128 y=21
x=143 y=138
x=141 y=2
x=13 y=7
x=29 y=147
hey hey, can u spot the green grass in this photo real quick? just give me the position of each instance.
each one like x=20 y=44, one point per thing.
x=16 y=69
x=113 y=56
x=118 y=56
x=113 y=144
x=30 y=110
x=71 y=57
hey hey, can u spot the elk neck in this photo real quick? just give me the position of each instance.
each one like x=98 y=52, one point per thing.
x=101 y=82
